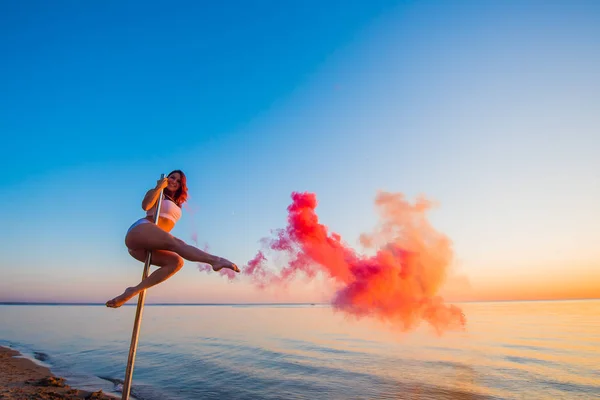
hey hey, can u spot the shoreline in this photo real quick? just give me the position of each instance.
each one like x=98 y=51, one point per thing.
x=21 y=379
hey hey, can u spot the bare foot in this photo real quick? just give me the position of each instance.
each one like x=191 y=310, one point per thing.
x=223 y=263
x=122 y=299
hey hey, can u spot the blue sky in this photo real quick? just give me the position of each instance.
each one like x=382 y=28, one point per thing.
x=489 y=108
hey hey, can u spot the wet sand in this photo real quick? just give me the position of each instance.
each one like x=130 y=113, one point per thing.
x=22 y=379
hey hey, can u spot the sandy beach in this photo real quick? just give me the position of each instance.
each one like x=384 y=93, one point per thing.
x=22 y=379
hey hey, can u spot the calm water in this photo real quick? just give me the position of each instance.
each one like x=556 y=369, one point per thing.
x=511 y=350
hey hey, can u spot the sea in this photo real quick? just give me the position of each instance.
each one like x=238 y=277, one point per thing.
x=508 y=350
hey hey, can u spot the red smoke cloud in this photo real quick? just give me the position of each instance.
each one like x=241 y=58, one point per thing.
x=398 y=283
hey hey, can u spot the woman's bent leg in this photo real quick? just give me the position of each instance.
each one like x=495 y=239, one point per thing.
x=169 y=264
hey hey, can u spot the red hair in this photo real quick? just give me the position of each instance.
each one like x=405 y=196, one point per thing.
x=181 y=195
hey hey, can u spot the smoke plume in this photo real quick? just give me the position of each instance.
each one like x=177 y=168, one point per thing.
x=397 y=282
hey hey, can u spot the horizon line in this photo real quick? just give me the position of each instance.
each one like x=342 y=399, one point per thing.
x=267 y=303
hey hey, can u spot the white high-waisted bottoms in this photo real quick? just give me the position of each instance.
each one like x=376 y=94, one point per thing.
x=138 y=222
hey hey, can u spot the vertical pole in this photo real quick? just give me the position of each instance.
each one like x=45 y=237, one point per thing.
x=138 y=314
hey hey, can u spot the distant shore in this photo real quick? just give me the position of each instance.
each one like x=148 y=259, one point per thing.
x=22 y=379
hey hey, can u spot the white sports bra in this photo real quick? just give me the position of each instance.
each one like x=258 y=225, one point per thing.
x=168 y=209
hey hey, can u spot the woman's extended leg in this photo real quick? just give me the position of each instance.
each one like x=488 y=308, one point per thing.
x=169 y=264
x=151 y=237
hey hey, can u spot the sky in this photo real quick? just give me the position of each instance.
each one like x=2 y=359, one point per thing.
x=488 y=108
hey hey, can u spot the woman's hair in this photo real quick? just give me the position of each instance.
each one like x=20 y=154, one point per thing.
x=180 y=196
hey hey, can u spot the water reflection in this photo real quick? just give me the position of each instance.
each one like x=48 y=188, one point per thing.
x=544 y=350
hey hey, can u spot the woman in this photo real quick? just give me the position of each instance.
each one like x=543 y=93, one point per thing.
x=168 y=251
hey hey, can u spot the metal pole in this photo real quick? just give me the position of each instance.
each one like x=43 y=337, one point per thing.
x=138 y=314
